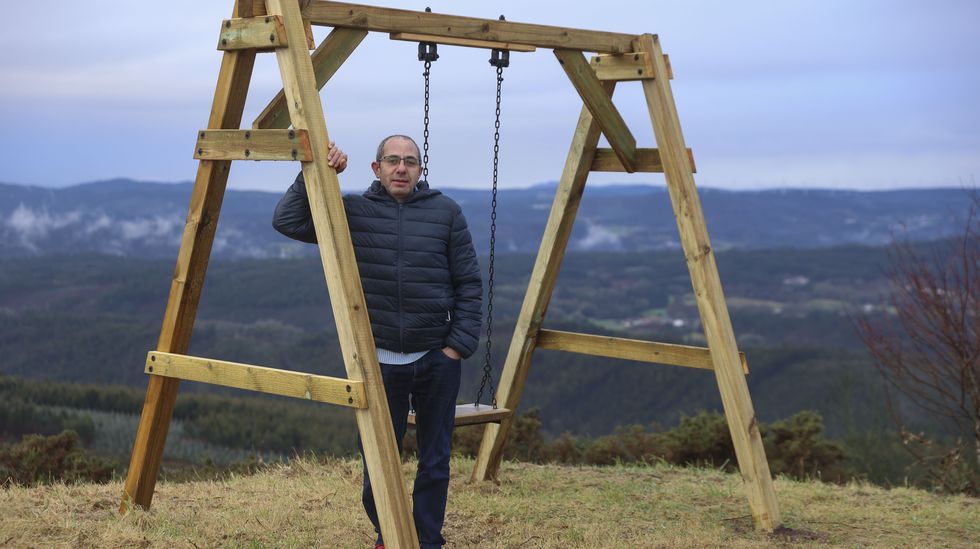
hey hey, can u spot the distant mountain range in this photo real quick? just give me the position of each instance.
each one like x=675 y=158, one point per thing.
x=141 y=219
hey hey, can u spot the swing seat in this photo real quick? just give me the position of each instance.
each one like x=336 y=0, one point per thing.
x=473 y=414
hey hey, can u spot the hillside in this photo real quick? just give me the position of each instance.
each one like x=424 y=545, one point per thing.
x=125 y=217
x=307 y=504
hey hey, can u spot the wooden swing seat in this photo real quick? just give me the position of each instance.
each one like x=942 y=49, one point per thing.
x=473 y=414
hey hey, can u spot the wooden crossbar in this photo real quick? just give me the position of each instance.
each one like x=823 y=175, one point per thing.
x=253 y=145
x=630 y=349
x=375 y=19
x=464 y=42
x=332 y=390
x=622 y=67
x=244 y=33
x=647 y=161
x=600 y=105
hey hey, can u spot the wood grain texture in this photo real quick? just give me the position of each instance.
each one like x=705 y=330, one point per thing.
x=188 y=278
x=370 y=18
x=600 y=105
x=540 y=287
x=647 y=161
x=327 y=59
x=253 y=145
x=344 y=284
x=708 y=291
x=473 y=414
x=261 y=33
x=464 y=42
x=622 y=67
x=332 y=390
x=630 y=349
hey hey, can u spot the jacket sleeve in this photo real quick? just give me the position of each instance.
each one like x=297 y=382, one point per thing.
x=293 y=217
x=464 y=334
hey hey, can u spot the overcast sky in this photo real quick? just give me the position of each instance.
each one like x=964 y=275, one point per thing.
x=866 y=94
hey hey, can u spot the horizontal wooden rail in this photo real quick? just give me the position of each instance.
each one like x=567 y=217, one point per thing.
x=465 y=42
x=647 y=161
x=344 y=392
x=622 y=67
x=375 y=19
x=630 y=349
x=253 y=145
x=252 y=33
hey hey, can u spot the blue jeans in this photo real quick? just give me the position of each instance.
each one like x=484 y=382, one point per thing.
x=432 y=384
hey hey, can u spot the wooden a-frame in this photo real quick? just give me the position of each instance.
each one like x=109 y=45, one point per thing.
x=283 y=26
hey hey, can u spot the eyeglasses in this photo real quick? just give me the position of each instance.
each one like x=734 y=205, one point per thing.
x=393 y=160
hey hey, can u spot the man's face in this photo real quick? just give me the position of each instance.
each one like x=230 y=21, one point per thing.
x=400 y=178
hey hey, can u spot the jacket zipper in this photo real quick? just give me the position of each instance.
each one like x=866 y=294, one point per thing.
x=398 y=277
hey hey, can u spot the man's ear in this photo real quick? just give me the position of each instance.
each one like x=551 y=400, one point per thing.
x=376 y=168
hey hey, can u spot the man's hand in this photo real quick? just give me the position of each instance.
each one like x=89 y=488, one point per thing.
x=336 y=158
x=451 y=353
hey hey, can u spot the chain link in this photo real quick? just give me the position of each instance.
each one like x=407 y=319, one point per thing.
x=425 y=125
x=487 y=365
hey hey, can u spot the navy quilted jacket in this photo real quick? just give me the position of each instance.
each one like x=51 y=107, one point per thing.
x=416 y=260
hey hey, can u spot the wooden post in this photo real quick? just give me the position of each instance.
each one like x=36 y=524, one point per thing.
x=539 y=289
x=344 y=283
x=707 y=290
x=188 y=279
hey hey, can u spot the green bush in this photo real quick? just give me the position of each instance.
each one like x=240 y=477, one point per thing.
x=796 y=447
x=39 y=459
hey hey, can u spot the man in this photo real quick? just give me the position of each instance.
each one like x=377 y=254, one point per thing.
x=423 y=290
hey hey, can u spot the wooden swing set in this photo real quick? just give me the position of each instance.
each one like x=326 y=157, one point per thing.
x=292 y=127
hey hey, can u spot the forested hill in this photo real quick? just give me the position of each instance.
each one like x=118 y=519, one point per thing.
x=124 y=217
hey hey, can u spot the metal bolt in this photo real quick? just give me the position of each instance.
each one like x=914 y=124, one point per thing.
x=639 y=71
x=150 y=368
x=200 y=152
x=292 y=134
x=349 y=389
x=202 y=135
x=227 y=24
x=295 y=154
x=636 y=57
x=224 y=42
x=272 y=38
x=267 y=19
x=153 y=358
x=350 y=400
x=248 y=135
x=247 y=153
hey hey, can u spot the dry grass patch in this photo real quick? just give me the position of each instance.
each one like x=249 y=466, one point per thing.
x=304 y=504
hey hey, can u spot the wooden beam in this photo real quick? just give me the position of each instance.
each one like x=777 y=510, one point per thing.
x=630 y=349
x=600 y=105
x=253 y=145
x=554 y=241
x=188 y=278
x=742 y=421
x=327 y=58
x=374 y=423
x=370 y=18
x=260 y=33
x=622 y=67
x=332 y=390
x=647 y=161
x=464 y=42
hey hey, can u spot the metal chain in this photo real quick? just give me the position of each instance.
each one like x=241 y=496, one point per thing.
x=425 y=125
x=487 y=368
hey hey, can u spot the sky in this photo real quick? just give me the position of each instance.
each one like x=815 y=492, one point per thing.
x=870 y=94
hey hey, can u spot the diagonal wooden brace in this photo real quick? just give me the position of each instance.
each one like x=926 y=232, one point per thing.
x=600 y=104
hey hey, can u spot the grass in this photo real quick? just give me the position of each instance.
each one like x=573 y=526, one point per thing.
x=305 y=503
